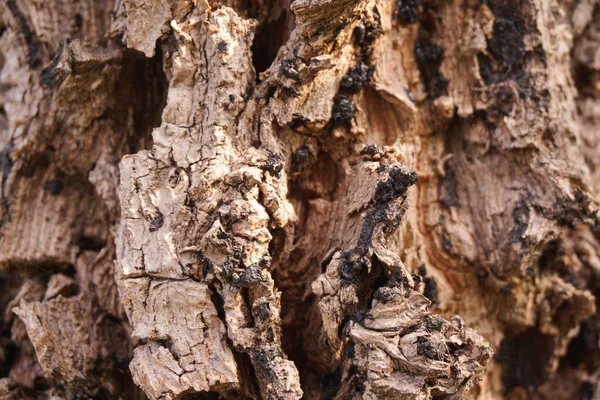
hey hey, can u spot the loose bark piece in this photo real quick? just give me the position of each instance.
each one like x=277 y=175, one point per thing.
x=194 y=236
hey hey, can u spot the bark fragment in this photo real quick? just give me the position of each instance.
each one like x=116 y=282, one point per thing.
x=196 y=213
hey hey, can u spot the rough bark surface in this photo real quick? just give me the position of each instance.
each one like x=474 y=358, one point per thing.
x=319 y=199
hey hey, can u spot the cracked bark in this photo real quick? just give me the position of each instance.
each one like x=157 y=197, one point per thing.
x=333 y=199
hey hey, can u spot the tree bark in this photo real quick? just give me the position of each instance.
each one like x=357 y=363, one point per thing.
x=319 y=199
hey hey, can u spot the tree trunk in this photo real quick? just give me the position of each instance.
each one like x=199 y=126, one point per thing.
x=319 y=199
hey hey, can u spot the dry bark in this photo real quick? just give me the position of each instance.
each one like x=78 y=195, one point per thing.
x=320 y=199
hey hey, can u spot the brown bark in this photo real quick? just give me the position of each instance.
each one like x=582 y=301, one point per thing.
x=320 y=199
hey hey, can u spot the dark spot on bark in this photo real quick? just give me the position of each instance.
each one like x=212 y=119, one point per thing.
x=521 y=219
x=337 y=30
x=482 y=276
x=7 y=165
x=402 y=179
x=506 y=44
x=297 y=122
x=232 y=98
x=217 y=301
x=431 y=289
x=265 y=262
x=262 y=359
x=206 y=266
x=541 y=53
x=299 y=158
x=273 y=165
x=574 y=211
x=344 y=327
x=454 y=348
x=417 y=278
x=356 y=78
x=242 y=277
x=357 y=382
x=289 y=92
x=270 y=93
x=370 y=151
x=174 y=180
x=504 y=99
x=349 y=349
x=485 y=68
x=446 y=243
x=434 y=323
x=89 y=243
x=48 y=75
x=156 y=222
x=203 y=395
x=506 y=290
x=398 y=182
x=166 y=343
x=373 y=30
x=54 y=186
x=222 y=46
x=384 y=193
x=359 y=316
x=223 y=235
x=78 y=21
x=429 y=59
x=573 y=280
x=447 y=185
x=289 y=68
x=32 y=47
x=426 y=349
x=343 y=110
x=382 y=169
x=263 y=311
x=358 y=34
x=377 y=216
x=365 y=35
x=525 y=359
x=406 y=11
x=353 y=267
x=428 y=53
x=384 y=294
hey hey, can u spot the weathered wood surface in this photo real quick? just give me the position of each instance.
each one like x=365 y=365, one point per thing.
x=320 y=199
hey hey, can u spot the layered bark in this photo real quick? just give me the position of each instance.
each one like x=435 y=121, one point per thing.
x=318 y=199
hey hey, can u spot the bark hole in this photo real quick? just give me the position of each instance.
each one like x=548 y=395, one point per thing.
x=271 y=35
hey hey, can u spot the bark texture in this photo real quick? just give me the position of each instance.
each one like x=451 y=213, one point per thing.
x=318 y=199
